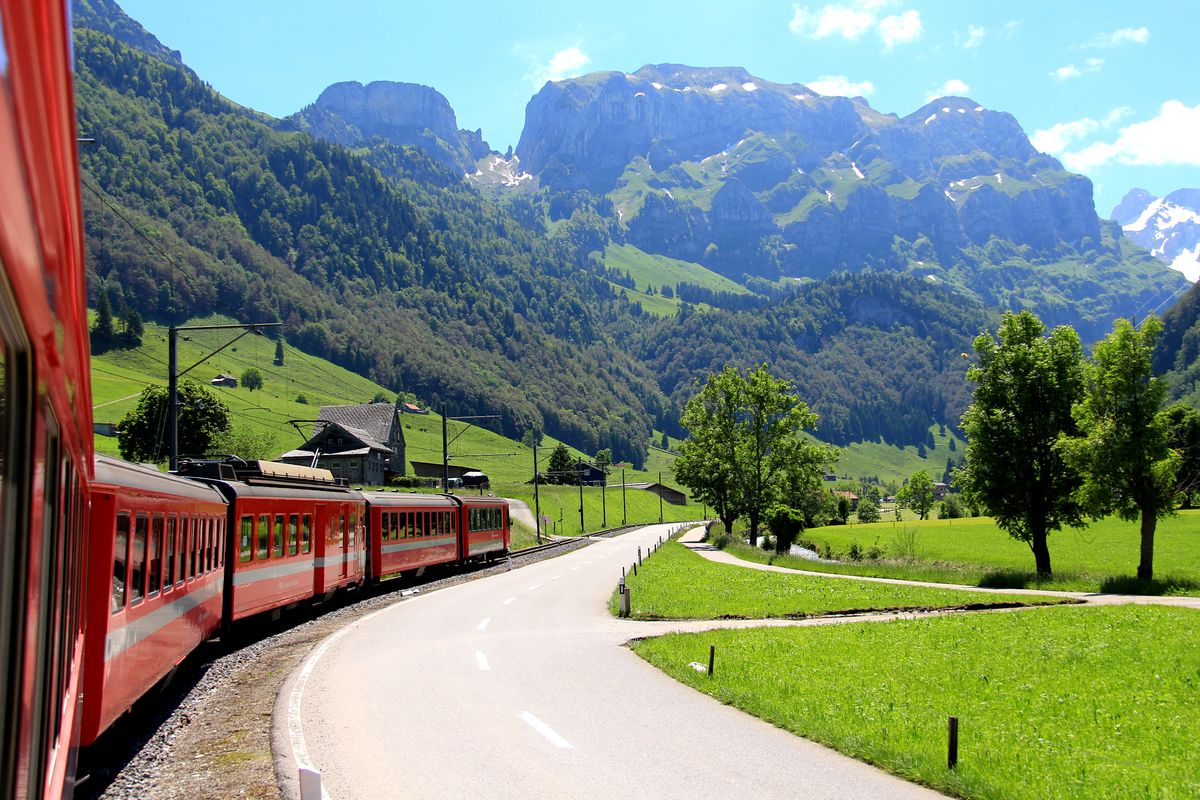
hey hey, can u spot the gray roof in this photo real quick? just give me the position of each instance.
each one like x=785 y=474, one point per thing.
x=375 y=419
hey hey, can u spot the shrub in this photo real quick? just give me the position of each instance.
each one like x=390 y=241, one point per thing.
x=721 y=541
x=767 y=543
x=856 y=552
x=785 y=523
x=868 y=510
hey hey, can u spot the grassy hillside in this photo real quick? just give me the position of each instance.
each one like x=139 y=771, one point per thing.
x=648 y=270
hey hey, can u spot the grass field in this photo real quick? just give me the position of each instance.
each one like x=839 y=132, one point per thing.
x=1053 y=703
x=1101 y=557
x=652 y=270
x=675 y=583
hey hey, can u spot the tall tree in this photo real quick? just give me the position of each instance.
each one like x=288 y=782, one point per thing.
x=131 y=327
x=562 y=467
x=104 y=332
x=1183 y=424
x=1026 y=385
x=252 y=379
x=1123 y=450
x=707 y=462
x=278 y=352
x=202 y=418
x=917 y=494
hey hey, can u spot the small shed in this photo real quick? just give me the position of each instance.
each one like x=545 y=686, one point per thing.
x=412 y=408
x=667 y=493
x=225 y=380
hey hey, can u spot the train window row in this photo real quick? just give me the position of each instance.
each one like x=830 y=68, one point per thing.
x=485 y=519
x=416 y=524
x=157 y=553
x=273 y=535
x=342 y=531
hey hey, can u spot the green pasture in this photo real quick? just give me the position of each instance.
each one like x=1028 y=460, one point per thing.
x=675 y=583
x=652 y=270
x=1052 y=703
x=974 y=551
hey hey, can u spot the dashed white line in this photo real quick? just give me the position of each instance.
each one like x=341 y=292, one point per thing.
x=576 y=569
x=509 y=600
x=484 y=623
x=545 y=730
x=482 y=661
x=556 y=577
x=536 y=585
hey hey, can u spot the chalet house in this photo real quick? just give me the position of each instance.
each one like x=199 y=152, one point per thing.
x=940 y=490
x=669 y=494
x=228 y=381
x=363 y=444
x=851 y=497
x=412 y=408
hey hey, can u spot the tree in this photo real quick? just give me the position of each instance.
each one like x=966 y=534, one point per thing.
x=278 y=353
x=248 y=443
x=1183 y=426
x=868 y=510
x=603 y=461
x=1123 y=453
x=562 y=467
x=252 y=379
x=785 y=525
x=202 y=417
x=131 y=327
x=917 y=494
x=707 y=462
x=1026 y=384
x=952 y=508
x=104 y=333
x=843 y=509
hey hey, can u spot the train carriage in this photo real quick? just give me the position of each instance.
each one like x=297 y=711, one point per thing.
x=410 y=532
x=155 y=582
x=298 y=534
x=45 y=403
x=485 y=526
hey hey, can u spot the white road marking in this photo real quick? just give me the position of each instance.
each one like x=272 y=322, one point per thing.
x=536 y=585
x=556 y=577
x=483 y=624
x=509 y=600
x=576 y=569
x=545 y=730
x=482 y=661
x=589 y=562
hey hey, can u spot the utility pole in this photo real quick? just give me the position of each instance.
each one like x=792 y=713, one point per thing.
x=660 y=494
x=604 y=499
x=537 y=504
x=445 y=453
x=579 y=475
x=624 y=515
x=174 y=374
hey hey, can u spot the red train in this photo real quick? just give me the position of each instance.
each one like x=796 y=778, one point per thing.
x=169 y=559
x=174 y=558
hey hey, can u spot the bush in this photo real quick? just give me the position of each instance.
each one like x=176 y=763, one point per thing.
x=952 y=508
x=785 y=523
x=767 y=543
x=868 y=510
x=856 y=552
x=407 y=481
x=721 y=541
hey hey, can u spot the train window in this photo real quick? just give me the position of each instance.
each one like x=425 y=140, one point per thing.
x=264 y=537
x=306 y=533
x=210 y=550
x=246 y=540
x=169 y=555
x=120 y=562
x=155 y=560
x=219 y=549
x=353 y=528
x=277 y=539
x=454 y=524
x=137 y=578
x=293 y=534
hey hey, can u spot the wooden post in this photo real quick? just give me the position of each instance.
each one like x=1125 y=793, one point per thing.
x=952 y=748
x=639 y=554
x=712 y=656
x=635 y=569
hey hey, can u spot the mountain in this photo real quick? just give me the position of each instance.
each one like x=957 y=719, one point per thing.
x=400 y=114
x=195 y=205
x=107 y=17
x=754 y=178
x=1168 y=227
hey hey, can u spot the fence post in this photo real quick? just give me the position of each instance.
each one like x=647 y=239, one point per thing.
x=624 y=601
x=952 y=745
x=712 y=655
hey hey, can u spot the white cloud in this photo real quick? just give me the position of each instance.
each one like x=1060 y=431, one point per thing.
x=567 y=63
x=900 y=28
x=972 y=38
x=1057 y=138
x=1072 y=71
x=1121 y=36
x=840 y=86
x=1010 y=28
x=1171 y=138
x=853 y=18
x=952 y=87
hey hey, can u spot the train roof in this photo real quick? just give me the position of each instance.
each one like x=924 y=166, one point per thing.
x=410 y=500
x=115 y=472
x=266 y=479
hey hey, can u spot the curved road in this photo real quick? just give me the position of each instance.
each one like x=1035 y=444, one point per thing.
x=517 y=686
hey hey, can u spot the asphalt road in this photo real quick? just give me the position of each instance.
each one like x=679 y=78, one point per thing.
x=518 y=686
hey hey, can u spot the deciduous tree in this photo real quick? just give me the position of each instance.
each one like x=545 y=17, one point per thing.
x=143 y=431
x=1026 y=385
x=252 y=379
x=917 y=494
x=1123 y=450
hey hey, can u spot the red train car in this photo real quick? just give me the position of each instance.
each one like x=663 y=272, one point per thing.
x=45 y=402
x=409 y=532
x=484 y=523
x=155 y=582
x=298 y=534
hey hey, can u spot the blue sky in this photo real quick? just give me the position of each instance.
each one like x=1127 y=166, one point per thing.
x=1109 y=88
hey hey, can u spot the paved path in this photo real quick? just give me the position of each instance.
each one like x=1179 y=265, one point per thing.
x=520 y=511
x=692 y=540
x=518 y=686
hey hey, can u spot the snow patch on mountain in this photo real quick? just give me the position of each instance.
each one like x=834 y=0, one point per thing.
x=1169 y=227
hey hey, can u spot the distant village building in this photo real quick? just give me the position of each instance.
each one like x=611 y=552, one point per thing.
x=412 y=408
x=433 y=469
x=667 y=493
x=227 y=381
x=361 y=443
x=940 y=490
x=849 y=496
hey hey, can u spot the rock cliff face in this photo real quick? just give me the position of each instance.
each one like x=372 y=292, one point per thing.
x=832 y=176
x=1168 y=227
x=352 y=114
